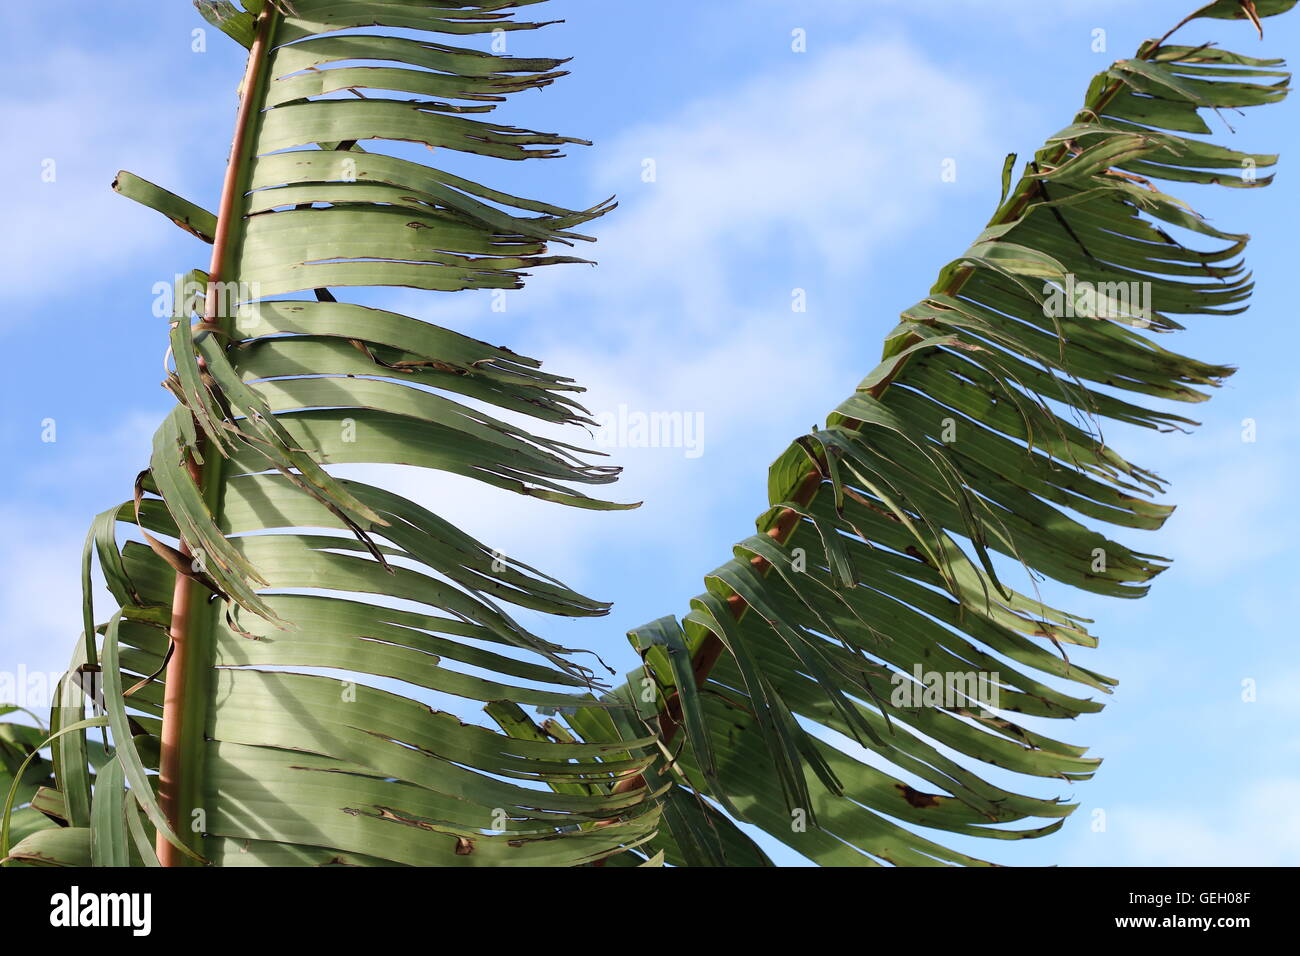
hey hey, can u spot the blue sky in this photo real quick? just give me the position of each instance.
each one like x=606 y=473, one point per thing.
x=775 y=171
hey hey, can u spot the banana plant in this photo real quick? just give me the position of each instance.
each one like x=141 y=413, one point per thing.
x=278 y=631
x=25 y=773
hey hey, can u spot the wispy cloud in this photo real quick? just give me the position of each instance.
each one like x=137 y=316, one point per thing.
x=63 y=223
x=691 y=308
x=734 y=215
x=40 y=576
x=1259 y=826
x=1231 y=484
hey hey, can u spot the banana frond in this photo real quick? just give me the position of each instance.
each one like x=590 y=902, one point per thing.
x=271 y=707
x=279 y=631
x=851 y=674
x=27 y=787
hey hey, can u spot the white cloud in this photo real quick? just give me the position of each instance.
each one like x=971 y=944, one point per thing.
x=735 y=185
x=69 y=106
x=1232 y=494
x=113 y=456
x=683 y=315
x=40 y=577
x=40 y=592
x=1260 y=826
x=1230 y=515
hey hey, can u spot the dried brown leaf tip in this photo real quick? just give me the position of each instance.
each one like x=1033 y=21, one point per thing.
x=1249 y=7
x=916 y=798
